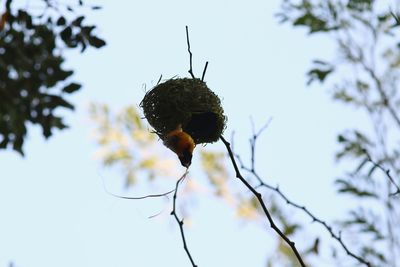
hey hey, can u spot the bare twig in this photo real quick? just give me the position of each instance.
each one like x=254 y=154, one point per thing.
x=386 y=171
x=180 y=221
x=135 y=198
x=142 y=197
x=159 y=80
x=190 y=53
x=8 y=5
x=261 y=202
x=204 y=72
x=254 y=138
x=336 y=236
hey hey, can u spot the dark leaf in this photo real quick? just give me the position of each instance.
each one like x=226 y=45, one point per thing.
x=342 y=138
x=17 y=144
x=78 y=21
x=87 y=30
x=72 y=87
x=345 y=186
x=66 y=34
x=318 y=74
x=61 y=21
x=311 y=21
x=96 y=42
x=4 y=141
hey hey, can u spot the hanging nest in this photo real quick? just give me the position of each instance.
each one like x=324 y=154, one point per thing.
x=188 y=103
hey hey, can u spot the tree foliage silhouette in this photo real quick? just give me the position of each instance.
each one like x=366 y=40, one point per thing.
x=33 y=81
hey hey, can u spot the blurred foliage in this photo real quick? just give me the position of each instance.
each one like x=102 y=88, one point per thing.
x=126 y=143
x=33 y=81
x=364 y=74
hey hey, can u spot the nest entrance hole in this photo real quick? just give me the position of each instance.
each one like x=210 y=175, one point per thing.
x=203 y=124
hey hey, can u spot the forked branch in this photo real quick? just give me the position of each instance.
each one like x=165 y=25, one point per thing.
x=261 y=202
x=252 y=170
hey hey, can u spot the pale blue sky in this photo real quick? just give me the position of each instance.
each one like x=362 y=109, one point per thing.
x=54 y=210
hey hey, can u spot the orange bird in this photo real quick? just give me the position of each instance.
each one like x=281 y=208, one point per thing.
x=182 y=144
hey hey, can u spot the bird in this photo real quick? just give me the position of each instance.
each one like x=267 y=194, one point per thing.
x=182 y=144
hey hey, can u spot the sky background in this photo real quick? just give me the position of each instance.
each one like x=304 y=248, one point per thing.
x=54 y=210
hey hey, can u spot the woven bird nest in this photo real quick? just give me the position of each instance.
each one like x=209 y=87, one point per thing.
x=188 y=103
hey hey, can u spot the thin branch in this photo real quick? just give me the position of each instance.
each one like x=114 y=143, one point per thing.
x=386 y=171
x=260 y=200
x=180 y=221
x=8 y=5
x=142 y=197
x=135 y=198
x=254 y=138
x=190 y=53
x=204 y=72
x=159 y=80
x=385 y=98
x=336 y=236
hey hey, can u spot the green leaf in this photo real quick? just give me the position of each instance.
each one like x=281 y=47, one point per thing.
x=311 y=21
x=345 y=186
x=343 y=96
x=318 y=74
x=360 y=5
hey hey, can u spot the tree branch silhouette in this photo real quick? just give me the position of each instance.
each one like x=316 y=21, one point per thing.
x=180 y=221
x=190 y=53
x=261 y=202
x=386 y=171
x=204 y=71
x=315 y=219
